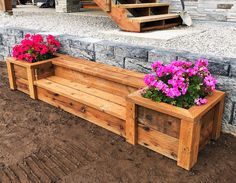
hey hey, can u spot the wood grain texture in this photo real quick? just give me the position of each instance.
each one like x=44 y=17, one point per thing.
x=159 y=142
x=90 y=68
x=22 y=85
x=11 y=75
x=20 y=71
x=89 y=90
x=31 y=79
x=94 y=82
x=131 y=124
x=158 y=121
x=91 y=114
x=84 y=98
x=188 y=144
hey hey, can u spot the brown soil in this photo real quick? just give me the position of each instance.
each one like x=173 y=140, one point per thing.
x=40 y=143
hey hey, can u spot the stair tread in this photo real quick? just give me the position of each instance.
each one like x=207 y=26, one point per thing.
x=141 y=5
x=73 y=91
x=154 y=18
x=105 y=71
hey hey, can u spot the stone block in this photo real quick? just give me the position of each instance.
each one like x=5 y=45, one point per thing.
x=86 y=54
x=84 y=43
x=18 y=32
x=131 y=51
x=8 y=40
x=105 y=48
x=118 y=62
x=161 y=55
x=227 y=116
x=226 y=84
x=233 y=68
x=137 y=65
x=5 y=51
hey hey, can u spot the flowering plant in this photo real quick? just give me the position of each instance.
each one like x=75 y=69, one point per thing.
x=33 y=48
x=179 y=83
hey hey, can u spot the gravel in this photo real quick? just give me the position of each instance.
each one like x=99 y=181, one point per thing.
x=214 y=38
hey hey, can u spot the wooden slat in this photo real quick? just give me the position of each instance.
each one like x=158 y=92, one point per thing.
x=101 y=65
x=158 y=121
x=198 y=111
x=206 y=128
x=20 y=71
x=93 y=115
x=89 y=100
x=131 y=123
x=94 y=82
x=22 y=85
x=188 y=144
x=160 y=106
x=102 y=72
x=158 y=142
x=153 y=18
x=141 y=5
x=89 y=90
x=11 y=75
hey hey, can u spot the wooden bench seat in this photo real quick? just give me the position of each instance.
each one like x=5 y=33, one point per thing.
x=100 y=100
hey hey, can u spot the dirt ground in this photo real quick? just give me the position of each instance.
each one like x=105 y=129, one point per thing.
x=40 y=143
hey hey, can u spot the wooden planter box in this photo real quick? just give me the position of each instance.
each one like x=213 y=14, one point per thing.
x=172 y=131
x=22 y=74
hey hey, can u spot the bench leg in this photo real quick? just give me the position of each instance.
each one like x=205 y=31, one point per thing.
x=188 y=144
x=11 y=76
x=131 y=123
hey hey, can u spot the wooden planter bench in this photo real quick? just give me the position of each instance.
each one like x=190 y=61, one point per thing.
x=108 y=96
x=93 y=91
x=172 y=131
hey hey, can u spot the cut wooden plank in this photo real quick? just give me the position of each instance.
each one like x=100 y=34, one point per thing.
x=93 y=115
x=102 y=72
x=89 y=100
x=141 y=5
x=11 y=75
x=160 y=106
x=153 y=18
x=31 y=78
x=89 y=90
x=20 y=72
x=188 y=144
x=198 y=111
x=22 y=85
x=131 y=124
x=158 y=142
x=95 y=82
x=158 y=121
x=102 y=66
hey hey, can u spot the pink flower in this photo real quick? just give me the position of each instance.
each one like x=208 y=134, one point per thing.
x=156 y=64
x=33 y=48
x=200 y=101
x=210 y=82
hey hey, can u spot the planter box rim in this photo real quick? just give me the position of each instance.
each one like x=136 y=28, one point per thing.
x=27 y=64
x=192 y=114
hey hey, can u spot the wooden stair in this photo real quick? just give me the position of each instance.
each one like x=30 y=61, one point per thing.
x=139 y=16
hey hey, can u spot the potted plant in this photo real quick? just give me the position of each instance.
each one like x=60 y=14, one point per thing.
x=178 y=112
x=31 y=58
